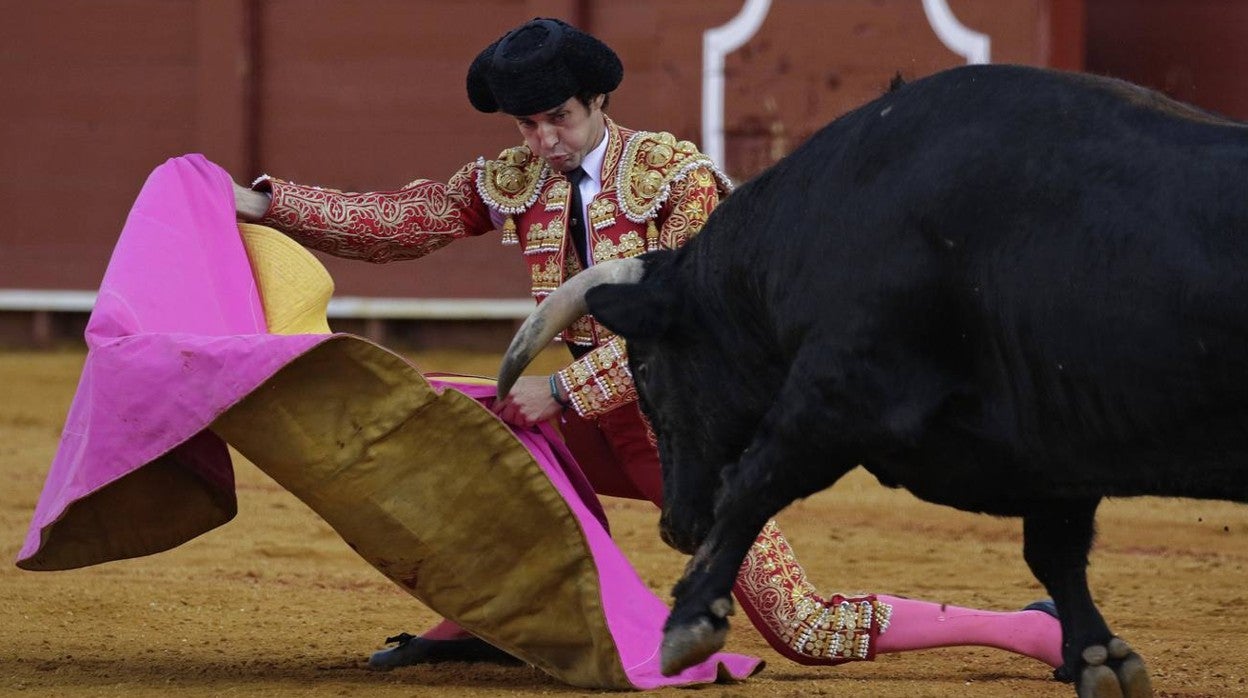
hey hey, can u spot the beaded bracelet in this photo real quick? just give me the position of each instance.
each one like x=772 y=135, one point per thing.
x=554 y=392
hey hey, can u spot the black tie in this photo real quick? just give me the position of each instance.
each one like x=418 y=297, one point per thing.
x=576 y=217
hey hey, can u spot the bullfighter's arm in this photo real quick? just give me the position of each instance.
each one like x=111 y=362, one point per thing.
x=601 y=381
x=378 y=226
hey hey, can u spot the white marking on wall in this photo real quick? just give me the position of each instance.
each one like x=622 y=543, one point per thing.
x=962 y=40
x=718 y=42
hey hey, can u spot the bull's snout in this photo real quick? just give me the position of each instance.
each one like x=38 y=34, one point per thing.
x=682 y=531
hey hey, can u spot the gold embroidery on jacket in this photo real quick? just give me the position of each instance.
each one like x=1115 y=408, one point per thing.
x=616 y=138
x=544 y=239
x=602 y=213
x=511 y=182
x=599 y=381
x=556 y=196
x=652 y=163
x=630 y=245
x=694 y=198
x=546 y=277
x=581 y=332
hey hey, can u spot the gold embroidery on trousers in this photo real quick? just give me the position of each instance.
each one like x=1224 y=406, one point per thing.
x=835 y=628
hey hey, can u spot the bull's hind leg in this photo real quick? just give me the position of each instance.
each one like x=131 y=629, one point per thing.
x=1056 y=539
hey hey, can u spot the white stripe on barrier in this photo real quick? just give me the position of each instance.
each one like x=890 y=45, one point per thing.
x=21 y=300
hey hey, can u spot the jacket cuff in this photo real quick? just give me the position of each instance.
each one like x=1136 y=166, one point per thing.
x=600 y=381
x=266 y=184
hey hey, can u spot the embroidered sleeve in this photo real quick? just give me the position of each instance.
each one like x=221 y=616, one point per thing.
x=599 y=381
x=686 y=210
x=378 y=226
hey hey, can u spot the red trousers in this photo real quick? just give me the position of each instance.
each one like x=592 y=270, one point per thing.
x=617 y=453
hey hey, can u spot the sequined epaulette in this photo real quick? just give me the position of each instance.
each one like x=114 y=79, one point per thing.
x=651 y=163
x=510 y=183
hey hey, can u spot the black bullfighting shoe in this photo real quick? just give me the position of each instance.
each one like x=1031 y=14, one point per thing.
x=412 y=649
x=1045 y=605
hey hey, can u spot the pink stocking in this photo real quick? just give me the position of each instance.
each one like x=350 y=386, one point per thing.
x=916 y=625
x=446 y=630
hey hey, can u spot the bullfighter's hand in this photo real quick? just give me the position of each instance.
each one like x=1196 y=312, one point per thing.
x=528 y=403
x=250 y=205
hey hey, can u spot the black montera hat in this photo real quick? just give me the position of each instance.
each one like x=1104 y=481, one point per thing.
x=538 y=66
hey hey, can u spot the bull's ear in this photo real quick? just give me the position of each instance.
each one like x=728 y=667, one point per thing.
x=634 y=311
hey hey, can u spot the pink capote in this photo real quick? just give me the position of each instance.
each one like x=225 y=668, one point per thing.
x=176 y=339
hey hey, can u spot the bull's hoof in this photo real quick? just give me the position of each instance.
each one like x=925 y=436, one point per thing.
x=1113 y=671
x=686 y=645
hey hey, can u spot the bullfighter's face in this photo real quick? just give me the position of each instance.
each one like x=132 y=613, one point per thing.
x=563 y=136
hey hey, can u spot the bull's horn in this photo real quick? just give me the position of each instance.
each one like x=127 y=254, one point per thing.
x=559 y=310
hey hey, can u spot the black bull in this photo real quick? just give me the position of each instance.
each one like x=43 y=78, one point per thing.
x=1008 y=290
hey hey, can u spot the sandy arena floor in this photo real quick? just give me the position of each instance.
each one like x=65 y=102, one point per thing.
x=275 y=604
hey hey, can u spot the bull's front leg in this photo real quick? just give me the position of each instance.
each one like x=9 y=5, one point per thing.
x=1056 y=539
x=784 y=462
x=698 y=624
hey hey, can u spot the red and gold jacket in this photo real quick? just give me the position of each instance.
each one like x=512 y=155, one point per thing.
x=656 y=194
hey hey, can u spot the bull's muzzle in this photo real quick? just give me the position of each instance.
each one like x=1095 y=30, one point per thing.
x=682 y=532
